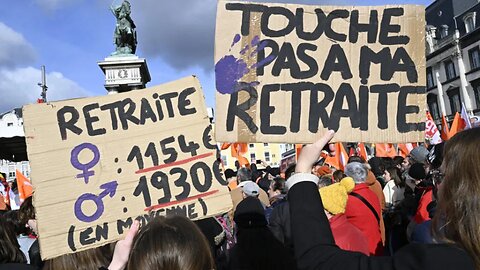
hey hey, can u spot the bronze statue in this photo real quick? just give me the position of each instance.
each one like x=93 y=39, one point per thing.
x=125 y=35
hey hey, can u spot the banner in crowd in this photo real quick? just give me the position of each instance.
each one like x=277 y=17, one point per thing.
x=99 y=163
x=287 y=73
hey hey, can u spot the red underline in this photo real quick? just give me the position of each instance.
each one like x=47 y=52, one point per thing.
x=201 y=195
x=179 y=162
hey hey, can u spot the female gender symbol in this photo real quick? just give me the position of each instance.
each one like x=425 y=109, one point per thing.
x=86 y=173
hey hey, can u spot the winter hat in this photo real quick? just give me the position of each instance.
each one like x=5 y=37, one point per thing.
x=417 y=171
x=419 y=154
x=251 y=189
x=250 y=213
x=334 y=197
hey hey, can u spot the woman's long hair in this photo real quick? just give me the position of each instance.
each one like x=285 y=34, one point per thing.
x=9 y=249
x=457 y=217
x=84 y=260
x=170 y=243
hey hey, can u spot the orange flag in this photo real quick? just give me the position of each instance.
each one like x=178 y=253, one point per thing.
x=362 y=151
x=25 y=188
x=445 y=130
x=404 y=149
x=385 y=150
x=340 y=159
x=457 y=125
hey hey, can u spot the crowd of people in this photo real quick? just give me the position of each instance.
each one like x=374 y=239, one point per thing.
x=418 y=212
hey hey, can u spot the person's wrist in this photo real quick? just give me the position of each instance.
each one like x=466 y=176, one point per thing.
x=116 y=265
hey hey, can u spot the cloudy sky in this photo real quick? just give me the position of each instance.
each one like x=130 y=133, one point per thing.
x=69 y=37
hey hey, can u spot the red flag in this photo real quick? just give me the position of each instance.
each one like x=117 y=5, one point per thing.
x=298 y=149
x=385 y=150
x=432 y=134
x=25 y=188
x=445 y=129
x=466 y=117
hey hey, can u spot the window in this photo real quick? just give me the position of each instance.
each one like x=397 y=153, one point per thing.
x=443 y=31
x=430 y=80
x=433 y=106
x=11 y=174
x=267 y=156
x=9 y=124
x=469 y=21
x=454 y=96
x=474 y=55
x=252 y=158
x=476 y=92
x=265 y=144
x=251 y=145
x=449 y=69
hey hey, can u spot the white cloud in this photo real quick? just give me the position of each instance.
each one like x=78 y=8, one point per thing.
x=19 y=87
x=14 y=49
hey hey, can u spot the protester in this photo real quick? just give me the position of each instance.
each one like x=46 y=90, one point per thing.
x=11 y=257
x=334 y=198
x=458 y=249
x=278 y=214
x=363 y=208
x=13 y=195
x=394 y=187
x=243 y=176
x=89 y=259
x=27 y=217
x=169 y=243
x=21 y=231
x=256 y=246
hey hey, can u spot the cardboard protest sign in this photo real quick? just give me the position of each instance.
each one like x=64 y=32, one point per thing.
x=99 y=163
x=287 y=73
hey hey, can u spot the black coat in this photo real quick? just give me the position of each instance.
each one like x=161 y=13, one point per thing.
x=16 y=266
x=315 y=247
x=279 y=223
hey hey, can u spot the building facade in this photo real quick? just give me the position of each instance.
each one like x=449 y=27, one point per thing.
x=11 y=125
x=271 y=153
x=453 y=57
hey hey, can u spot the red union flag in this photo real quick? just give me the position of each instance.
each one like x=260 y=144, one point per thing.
x=431 y=131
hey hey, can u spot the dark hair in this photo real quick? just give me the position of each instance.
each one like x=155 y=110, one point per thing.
x=244 y=174
x=356 y=159
x=94 y=258
x=18 y=226
x=338 y=175
x=173 y=243
x=278 y=183
x=398 y=160
x=456 y=219
x=325 y=180
x=377 y=166
x=395 y=175
x=26 y=211
x=290 y=170
x=9 y=248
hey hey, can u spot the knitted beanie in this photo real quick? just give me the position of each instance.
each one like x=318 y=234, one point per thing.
x=334 y=197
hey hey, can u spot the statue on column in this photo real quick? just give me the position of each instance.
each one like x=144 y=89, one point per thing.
x=125 y=35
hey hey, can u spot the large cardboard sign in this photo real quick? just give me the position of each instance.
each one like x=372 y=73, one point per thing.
x=287 y=73
x=100 y=163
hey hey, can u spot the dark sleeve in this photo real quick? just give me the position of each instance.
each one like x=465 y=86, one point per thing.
x=275 y=225
x=312 y=237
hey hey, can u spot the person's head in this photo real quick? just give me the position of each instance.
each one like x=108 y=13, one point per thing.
x=26 y=214
x=357 y=171
x=377 y=166
x=334 y=196
x=417 y=171
x=277 y=187
x=406 y=163
x=393 y=174
x=84 y=260
x=244 y=174
x=170 y=243
x=290 y=171
x=338 y=175
x=418 y=154
x=322 y=170
x=12 y=217
x=230 y=175
x=458 y=206
x=9 y=248
x=325 y=180
x=356 y=159
x=249 y=189
x=397 y=162
x=250 y=214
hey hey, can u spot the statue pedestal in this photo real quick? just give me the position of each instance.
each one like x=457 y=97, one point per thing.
x=124 y=73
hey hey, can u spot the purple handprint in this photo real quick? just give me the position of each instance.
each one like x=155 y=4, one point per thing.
x=229 y=70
